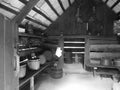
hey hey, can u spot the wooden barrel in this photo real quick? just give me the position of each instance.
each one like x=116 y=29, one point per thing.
x=68 y=58
x=48 y=55
x=56 y=73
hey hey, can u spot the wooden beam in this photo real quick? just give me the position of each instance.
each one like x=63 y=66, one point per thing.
x=115 y=4
x=38 y=11
x=61 y=5
x=23 y=1
x=48 y=2
x=106 y=1
x=8 y=9
x=25 y=11
x=30 y=19
x=69 y=3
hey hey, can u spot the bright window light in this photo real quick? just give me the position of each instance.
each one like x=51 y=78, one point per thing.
x=116 y=9
x=56 y=5
x=78 y=52
x=13 y=4
x=7 y=14
x=48 y=11
x=21 y=30
x=110 y=3
x=72 y=47
x=72 y=1
x=24 y=21
x=73 y=42
x=32 y=13
x=65 y=3
x=58 y=52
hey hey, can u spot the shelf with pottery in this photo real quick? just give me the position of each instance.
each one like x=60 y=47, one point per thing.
x=30 y=75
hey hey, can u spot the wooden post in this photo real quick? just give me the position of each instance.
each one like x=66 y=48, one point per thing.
x=32 y=83
x=8 y=80
x=61 y=45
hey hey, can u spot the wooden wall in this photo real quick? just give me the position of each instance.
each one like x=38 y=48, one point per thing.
x=67 y=23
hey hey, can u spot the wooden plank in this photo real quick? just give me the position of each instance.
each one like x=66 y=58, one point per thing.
x=105 y=48
x=104 y=54
x=74 y=50
x=8 y=80
x=103 y=42
x=8 y=9
x=75 y=44
x=48 y=2
x=86 y=56
x=61 y=5
x=25 y=11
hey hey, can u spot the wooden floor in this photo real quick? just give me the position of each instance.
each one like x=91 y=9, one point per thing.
x=73 y=79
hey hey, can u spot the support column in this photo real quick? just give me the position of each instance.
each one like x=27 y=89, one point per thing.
x=8 y=80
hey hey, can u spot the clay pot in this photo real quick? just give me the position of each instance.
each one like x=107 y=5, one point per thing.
x=34 y=64
x=22 y=71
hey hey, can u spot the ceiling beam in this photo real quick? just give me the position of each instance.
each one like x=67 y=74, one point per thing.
x=8 y=9
x=48 y=2
x=23 y=1
x=30 y=19
x=69 y=3
x=26 y=9
x=61 y=5
x=115 y=4
x=39 y=12
x=106 y=1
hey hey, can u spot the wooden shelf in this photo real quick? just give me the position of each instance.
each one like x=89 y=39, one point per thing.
x=27 y=35
x=102 y=66
x=32 y=73
x=28 y=51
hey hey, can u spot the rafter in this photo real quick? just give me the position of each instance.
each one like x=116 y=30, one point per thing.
x=30 y=19
x=38 y=11
x=115 y=4
x=8 y=9
x=25 y=11
x=69 y=3
x=61 y=5
x=52 y=7
x=23 y=1
x=106 y=1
